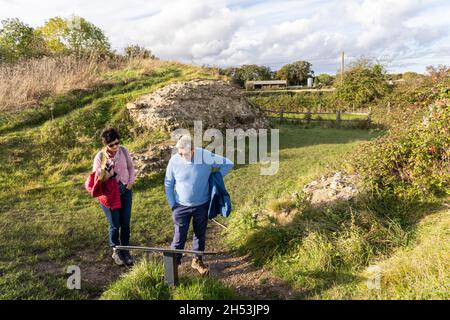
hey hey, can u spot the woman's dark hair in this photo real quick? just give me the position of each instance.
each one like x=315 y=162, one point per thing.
x=109 y=135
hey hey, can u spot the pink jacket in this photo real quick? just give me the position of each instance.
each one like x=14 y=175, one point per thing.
x=123 y=165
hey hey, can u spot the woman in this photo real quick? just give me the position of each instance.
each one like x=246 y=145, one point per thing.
x=118 y=166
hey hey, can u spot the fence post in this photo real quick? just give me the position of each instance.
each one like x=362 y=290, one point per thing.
x=369 y=115
x=338 y=118
x=281 y=114
x=308 y=117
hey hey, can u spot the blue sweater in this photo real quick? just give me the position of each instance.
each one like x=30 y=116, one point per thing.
x=186 y=182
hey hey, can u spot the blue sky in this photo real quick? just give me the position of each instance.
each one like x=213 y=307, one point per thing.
x=403 y=34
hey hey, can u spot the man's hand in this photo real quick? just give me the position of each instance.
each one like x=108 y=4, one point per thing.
x=129 y=186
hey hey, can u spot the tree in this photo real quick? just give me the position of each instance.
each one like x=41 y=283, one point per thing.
x=18 y=40
x=364 y=82
x=248 y=72
x=136 y=51
x=296 y=73
x=325 y=79
x=54 y=32
x=74 y=34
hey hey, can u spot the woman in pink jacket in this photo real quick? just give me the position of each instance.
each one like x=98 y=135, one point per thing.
x=119 y=166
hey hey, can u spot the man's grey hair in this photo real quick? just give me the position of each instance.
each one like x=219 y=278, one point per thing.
x=185 y=142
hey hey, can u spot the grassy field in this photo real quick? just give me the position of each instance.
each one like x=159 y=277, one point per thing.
x=48 y=222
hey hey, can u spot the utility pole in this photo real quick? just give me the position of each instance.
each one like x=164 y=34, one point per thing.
x=342 y=66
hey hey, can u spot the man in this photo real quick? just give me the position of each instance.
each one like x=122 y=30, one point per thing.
x=188 y=172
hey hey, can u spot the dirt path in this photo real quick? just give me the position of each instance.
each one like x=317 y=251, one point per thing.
x=237 y=271
x=233 y=269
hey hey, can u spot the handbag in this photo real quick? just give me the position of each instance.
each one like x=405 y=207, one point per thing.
x=94 y=183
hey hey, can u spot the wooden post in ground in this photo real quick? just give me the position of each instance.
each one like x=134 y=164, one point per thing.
x=281 y=114
x=338 y=118
x=170 y=268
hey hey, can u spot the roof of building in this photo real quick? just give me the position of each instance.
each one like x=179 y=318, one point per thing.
x=267 y=82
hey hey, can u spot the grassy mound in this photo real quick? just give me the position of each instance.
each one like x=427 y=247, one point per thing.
x=146 y=282
x=47 y=220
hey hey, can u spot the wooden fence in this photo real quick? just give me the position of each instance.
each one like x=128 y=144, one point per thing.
x=337 y=117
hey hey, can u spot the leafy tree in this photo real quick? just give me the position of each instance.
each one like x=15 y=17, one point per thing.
x=247 y=73
x=325 y=79
x=54 y=32
x=82 y=35
x=18 y=40
x=296 y=73
x=364 y=82
x=136 y=51
x=74 y=34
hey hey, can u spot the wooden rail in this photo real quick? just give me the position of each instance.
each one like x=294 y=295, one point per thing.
x=283 y=115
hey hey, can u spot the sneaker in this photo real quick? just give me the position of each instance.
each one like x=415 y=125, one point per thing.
x=127 y=258
x=118 y=258
x=198 y=265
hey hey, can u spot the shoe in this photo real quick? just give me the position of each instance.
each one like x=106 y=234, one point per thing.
x=198 y=265
x=118 y=258
x=127 y=258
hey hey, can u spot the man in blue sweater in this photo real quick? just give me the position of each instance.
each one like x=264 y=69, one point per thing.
x=188 y=172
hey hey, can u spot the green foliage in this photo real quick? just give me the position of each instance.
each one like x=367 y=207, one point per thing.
x=247 y=72
x=364 y=82
x=295 y=73
x=325 y=79
x=409 y=75
x=56 y=36
x=136 y=51
x=298 y=101
x=54 y=32
x=18 y=40
x=82 y=35
x=413 y=163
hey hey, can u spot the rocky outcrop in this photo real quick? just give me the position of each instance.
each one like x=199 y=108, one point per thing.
x=177 y=105
x=331 y=189
x=153 y=159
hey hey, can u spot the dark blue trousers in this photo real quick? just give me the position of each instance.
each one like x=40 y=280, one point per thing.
x=181 y=216
x=119 y=220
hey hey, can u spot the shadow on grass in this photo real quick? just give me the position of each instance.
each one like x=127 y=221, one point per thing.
x=320 y=243
x=325 y=280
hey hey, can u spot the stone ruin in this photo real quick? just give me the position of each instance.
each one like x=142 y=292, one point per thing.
x=217 y=104
x=214 y=102
x=153 y=159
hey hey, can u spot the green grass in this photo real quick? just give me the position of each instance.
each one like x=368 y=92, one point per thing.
x=47 y=220
x=419 y=270
x=304 y=154
x=146 y=282
x=322 y=251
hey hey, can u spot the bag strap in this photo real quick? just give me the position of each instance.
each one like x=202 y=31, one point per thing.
x=127 y=156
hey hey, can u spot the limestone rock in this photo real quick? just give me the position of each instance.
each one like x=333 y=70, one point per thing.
x=330 y=189
x=214 y=102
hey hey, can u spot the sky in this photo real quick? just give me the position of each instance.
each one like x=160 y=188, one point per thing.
x=405 y=35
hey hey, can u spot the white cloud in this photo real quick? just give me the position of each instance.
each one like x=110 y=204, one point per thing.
x=410 y=34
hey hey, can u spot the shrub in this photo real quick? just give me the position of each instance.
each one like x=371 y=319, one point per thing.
x=414 y=163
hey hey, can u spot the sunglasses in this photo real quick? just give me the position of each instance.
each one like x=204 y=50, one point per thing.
x=113 y=144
